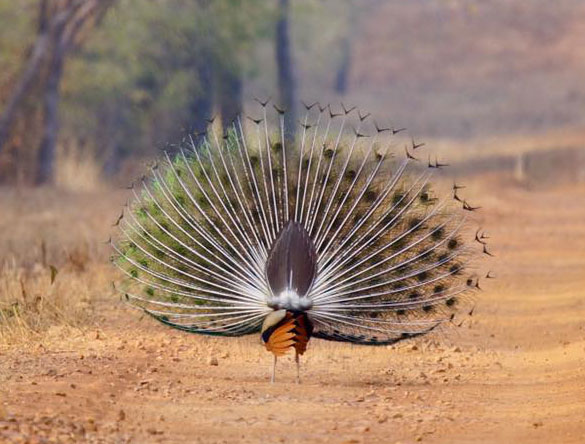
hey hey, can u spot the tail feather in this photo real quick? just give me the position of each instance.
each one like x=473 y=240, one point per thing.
x=391 y=258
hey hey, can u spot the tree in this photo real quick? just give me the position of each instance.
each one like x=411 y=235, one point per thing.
x=30 y=72
x=179 y=62
x=150 y=73
x=59 y=28
x=342 y=75
x=286 y=80
x=231 y=87
x=65 y=37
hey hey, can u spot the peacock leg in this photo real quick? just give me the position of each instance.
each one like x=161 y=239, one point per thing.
x=273 y=370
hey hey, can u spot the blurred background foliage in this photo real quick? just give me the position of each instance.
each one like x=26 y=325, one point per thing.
x=137 y=75
x=153 y=70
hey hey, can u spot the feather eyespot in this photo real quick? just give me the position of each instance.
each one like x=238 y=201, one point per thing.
x=350 y=174
x=370 y=196
x=438 y=233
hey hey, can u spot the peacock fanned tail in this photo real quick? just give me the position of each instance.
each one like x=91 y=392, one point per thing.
x=338 y=223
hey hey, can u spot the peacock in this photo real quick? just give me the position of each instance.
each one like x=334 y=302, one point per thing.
x=333 y=232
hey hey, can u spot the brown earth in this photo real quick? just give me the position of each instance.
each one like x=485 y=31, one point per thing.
x=513 y=372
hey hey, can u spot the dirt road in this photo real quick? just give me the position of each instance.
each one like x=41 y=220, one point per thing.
x=513 y=372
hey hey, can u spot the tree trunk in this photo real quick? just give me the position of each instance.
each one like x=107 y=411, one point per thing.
x=201 y=106
x=64 y=34
x=110 y=123
x=59 y=24
x=48 y=147
x=31 y=70
x=230 y=99
x=113 y=159
x=344 y=69
x=342 y=77
x=286 y=79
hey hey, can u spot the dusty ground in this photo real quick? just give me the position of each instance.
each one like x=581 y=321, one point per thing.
x=513 y=372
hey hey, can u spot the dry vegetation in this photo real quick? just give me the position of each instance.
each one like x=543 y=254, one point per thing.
x=76 y=365
x=53 y=265
x=31 y=304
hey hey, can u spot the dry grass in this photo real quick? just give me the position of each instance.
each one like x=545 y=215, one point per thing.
x=31 y=302
x=77 y=169
x=53 y=263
